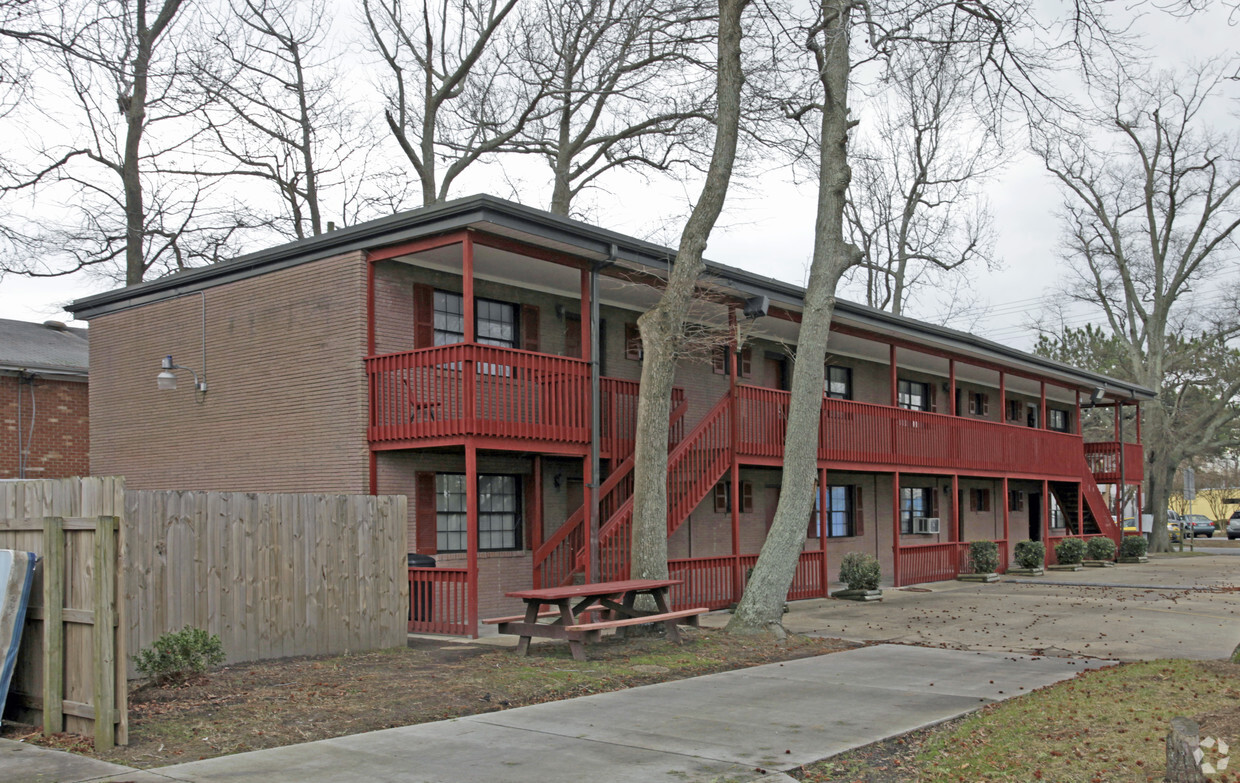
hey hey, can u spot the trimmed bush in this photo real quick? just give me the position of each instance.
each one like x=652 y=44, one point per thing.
x=1133 y=546
x=177 y=655
x=1070 y=551
x=1030 y=554
x=984 y=555
x=1100 y=548
x=860 y=571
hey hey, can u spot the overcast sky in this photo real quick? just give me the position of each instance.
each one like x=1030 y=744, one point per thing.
x=767 y=226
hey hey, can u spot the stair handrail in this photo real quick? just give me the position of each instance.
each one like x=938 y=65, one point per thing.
x=622 y=470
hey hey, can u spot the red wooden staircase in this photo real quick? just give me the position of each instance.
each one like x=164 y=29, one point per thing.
x=694 y=466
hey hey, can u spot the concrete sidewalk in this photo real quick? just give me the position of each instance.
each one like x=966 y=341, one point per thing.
x=734 y=726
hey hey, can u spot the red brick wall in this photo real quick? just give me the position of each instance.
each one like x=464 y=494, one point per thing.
x=60 y=444
x=286 y=408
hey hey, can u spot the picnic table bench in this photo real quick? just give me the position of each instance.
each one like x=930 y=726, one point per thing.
x=615 y=602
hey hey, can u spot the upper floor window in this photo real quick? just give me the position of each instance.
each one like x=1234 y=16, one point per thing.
x=913 y=395
x=979 y=404
x=838 y=385
x=632 y=342
x=495 y=322
x=1057 y=419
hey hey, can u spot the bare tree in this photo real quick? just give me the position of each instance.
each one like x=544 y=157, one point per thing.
x=1151 y=214
x=274 y=105
x=451 y=97
x=663 y=326
x=624 y=83
x=121 y=69
x=914 y=205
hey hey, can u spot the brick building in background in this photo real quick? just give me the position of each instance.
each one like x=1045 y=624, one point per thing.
x=44 y=401
x=447 y=354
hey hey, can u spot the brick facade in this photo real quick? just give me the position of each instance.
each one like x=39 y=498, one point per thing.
x=58 y=446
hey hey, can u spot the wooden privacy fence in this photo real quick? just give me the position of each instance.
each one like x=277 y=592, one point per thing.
x=274 y=575
x=71 y=664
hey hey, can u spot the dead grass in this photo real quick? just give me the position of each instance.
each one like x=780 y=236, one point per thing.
x=275 y=703
x=1104 y=725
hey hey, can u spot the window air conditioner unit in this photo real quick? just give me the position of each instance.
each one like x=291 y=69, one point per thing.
x=925 y=524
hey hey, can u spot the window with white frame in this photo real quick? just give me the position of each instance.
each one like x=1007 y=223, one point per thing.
x=495 y=322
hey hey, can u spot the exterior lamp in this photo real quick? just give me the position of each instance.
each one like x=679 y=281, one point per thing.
x=167 y=380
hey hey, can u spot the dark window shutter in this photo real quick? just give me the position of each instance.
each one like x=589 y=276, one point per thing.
x=746 y=497
x=934 y=501
x=423 y=319
x=632 y=342
x=985 y=404
x=425 y=519
x=529 y=327
x=814 y=515
x=721 y=498
x=719 y=360
x=527 y=515
x=972 y=404
x=930 y=393
x=975 y=500
x=858 y=511
x=746 y=363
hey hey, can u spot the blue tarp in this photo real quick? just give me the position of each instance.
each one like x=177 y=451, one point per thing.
x=16 y=575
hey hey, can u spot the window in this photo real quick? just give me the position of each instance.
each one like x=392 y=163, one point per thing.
x=495 y=322
x=1057 y=419
x=841 y=516
x=838 y=382
x=913 y=395
x=744 y=361
x=915 y=502
x=632 y=342
x=1013 y=410
x=1016 y=500
x=499 y=516
x=719 y=360
x=723 y=497
x=1057 y=518
x=979 y=404
x=979 y=499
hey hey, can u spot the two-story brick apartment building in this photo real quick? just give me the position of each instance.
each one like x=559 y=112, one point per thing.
x=44 y=401
x=447 y=354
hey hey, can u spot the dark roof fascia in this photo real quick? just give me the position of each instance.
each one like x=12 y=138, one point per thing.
x=592 y=243
x=35 y=369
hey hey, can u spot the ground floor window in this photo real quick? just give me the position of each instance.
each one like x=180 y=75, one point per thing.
x=914 y=502
x=841 y=512
x=499 y=512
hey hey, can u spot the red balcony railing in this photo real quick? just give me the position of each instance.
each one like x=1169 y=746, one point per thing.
x=708 y=581
x=618 y=417
x=882 y=435
x=439 y=601
x=1103 y=459
x=939 y=562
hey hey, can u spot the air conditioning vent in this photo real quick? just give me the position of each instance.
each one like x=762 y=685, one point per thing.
x=925 y=524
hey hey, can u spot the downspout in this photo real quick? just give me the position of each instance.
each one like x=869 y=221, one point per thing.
x=595 y=412
x=1123 y=473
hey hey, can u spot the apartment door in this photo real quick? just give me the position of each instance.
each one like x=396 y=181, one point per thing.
x=1035 y=516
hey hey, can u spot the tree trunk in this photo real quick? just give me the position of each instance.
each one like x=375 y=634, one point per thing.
x=662 y=327
x=131 y=177
x=762 y=605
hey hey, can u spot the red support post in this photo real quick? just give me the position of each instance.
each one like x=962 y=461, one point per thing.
x=1077 y=425
x=1137 y=408
x=1046 y=512
x=585 y=317
x=824 y=574
x=588 y=497
x=1042 y=406
x=471 y=533
x=895 y=526
x=1007 y=515
x=1080 y=508
x=954 y=533
x=735 y=470
x=536 y=511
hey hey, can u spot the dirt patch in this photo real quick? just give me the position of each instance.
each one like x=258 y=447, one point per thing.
x=274 y=703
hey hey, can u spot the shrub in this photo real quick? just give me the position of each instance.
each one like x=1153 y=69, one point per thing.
x=176 y=655
x=1133 y=546
x=1100 y=548
x=1030 y=554
x=984 y=555
x=860 y=571
x=1070 y=551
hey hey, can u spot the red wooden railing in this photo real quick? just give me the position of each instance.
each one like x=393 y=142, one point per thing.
x=940 y=562
x=708 y=581
x=1103 y=459
x=883 y=435
x=618 y=417
x=439 y=601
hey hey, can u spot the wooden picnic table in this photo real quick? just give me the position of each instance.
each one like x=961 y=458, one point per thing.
x=614 y=601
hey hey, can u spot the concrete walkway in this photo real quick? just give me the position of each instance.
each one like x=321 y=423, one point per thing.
x=734 y=726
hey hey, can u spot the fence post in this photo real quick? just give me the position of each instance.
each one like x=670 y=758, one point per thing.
x=53 y=625
x=105 y=632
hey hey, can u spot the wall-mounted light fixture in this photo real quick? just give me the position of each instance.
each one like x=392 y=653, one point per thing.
x=167 y=381
x=1097 y=395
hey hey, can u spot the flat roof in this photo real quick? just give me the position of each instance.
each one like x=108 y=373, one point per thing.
x=574 y=237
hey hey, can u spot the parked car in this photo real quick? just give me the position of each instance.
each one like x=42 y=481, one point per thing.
x=1198 y=525
x=1233 y=526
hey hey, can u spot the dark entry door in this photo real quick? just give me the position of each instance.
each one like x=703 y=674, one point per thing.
x=1035 y=516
